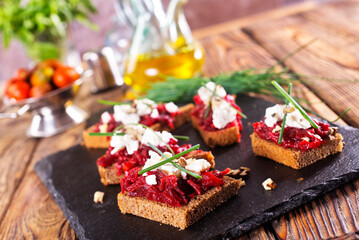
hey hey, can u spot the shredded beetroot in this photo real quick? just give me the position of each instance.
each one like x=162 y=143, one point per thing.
x=164 y=118
x=293 y=137
x=200 y=109
x=171 y=190
x=125 y=162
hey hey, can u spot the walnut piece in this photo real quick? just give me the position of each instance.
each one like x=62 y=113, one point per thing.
x=269 y=184
x=237 y=173
x=98 y=197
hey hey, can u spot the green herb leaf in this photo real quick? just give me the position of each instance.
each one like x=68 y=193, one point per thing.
x=295 y=104
x=285 y=116
x=109 y=134
x=168 y=160
x=112 y=103
x=181 y=137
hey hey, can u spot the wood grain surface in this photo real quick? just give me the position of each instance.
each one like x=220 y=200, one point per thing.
x=28 y=211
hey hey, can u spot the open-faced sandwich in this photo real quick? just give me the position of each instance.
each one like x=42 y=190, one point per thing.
x=175 y=189
x=288 y=135
x=164 y=116
x=216 y=116
x=129 y=148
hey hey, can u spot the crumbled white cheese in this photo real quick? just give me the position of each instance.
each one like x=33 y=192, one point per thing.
x=198 y=166
x=155 y=113
x=294 y=118
x=167 y=168
x=276 y=129
x=223 y=113
x=151 y=180
x=98 y=197
x=103 y=128
x=119 y=142
x=206 y=92
x=105 y=118
x=126 y=114
x=155 y=137
x=268 y=184
x=171 y=107
x=135 y=131
x=144 y=106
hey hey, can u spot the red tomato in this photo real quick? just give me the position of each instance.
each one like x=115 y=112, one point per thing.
x=63 y=76
x=18 y=90
x=22 y=74
x=49 y=63
x=38 y=91
x=41 y=76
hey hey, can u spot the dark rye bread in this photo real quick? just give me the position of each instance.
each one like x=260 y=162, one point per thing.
x=109 y=174
x=104 y=141
x=292 y=157
x=184 y=216
x=221 y=137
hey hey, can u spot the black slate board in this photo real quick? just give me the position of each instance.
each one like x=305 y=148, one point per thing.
x=72 y=178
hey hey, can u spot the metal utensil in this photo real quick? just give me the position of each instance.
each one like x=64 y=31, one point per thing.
x=105 y=70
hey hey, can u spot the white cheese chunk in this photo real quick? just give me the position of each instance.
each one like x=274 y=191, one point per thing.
x=103 y=128
x=155 y=137
x=144 y=106
x=155 y=113
x=151 y=180
x=198 y=166
x=294 y=118
x=126 y=114
x=171 y=107
x=119 y=142
x=223 y=113
x=206 y=92
x=105 y=118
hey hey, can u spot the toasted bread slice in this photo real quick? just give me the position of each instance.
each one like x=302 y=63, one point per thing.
x=292 y=157
x=104 y=141
x=109 y=175
x=184 y=216
x=221 y=137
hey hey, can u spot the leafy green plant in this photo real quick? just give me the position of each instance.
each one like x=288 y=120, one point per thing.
x=40 y=25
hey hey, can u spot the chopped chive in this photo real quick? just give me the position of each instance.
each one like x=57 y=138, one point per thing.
x=295 y=104
x=181 y=137
x=106 y=134
x=112 y=103
x=341 y=115
x=175 y=164
x=119 y=127
x=168 y=160
x=285 y=116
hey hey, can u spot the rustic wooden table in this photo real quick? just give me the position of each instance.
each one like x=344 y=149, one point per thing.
x=27 y=210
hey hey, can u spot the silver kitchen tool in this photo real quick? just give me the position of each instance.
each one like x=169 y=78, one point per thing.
x=52 y=113
x=105 y=70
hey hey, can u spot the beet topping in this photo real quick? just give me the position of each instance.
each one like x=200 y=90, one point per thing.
x=200 y=109
x=169 y=189
x=125 y=162
x=164 y=118
x=294 y=137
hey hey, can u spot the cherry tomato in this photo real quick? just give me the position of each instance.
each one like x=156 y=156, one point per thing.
x=18 y=90
x=22 y=74
x=41 y=76
x=38 y=91
x=54 y=64
x=63 y=76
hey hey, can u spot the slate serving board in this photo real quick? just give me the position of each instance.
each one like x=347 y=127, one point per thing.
x=72 y=178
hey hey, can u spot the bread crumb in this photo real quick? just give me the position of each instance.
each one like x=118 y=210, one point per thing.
x=98 y=197
x=269 y=184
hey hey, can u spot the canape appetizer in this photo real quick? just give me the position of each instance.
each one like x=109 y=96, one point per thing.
x=129 y=148
x=176 y=190
x=166 y=116
x=288 y=135
x=216 y=116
